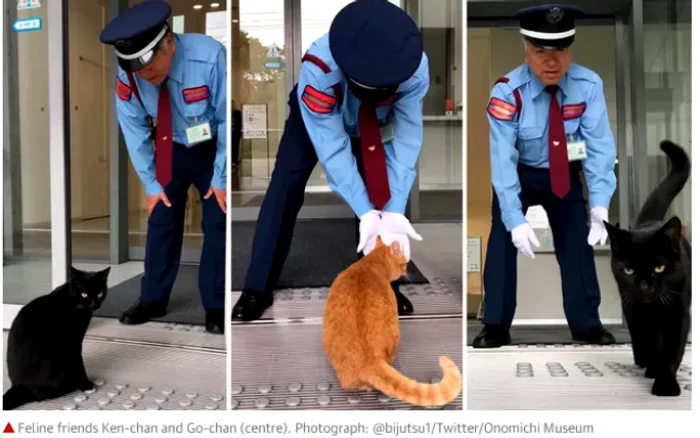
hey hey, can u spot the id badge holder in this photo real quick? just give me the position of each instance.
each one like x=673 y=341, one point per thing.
x=198 y=133
x=576 y=148
x=386 y=128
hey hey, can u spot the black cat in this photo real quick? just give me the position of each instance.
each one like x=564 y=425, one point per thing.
x=45 y=343
x=651 y=264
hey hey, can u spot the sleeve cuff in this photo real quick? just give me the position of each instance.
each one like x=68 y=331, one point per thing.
x=397 y=204
x=153 y=188
x=361 y=205
x=218 y=183
x=512 y=220
x=597 y=200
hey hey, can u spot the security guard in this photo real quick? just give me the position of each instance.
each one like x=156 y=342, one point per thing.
x=549 y=124
x=357 y=109
x=171 y=104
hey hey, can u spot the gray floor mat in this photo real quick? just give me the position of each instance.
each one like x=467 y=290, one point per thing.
x=282 y=366
x=439 y=297
x=185 y=305
x=543 y=335
x=321 y=249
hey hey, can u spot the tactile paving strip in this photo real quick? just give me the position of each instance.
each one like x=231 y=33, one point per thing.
x=284 y=367
x=143 y=377
x=439 y=297
x=566 y=378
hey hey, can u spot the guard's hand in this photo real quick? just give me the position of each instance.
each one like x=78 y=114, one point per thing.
x=220 y=197
x=598 y=233
x=369 y=230
x=152 y=201
x=523 y=238
x=395 y=227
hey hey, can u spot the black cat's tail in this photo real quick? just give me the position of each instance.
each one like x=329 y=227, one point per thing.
x=15 y=397
x=660 y=199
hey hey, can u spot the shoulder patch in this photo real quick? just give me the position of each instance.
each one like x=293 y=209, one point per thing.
x=317 y=101
x=123 y=91
x=501 y=110
x=573 y=111
x=196 y=94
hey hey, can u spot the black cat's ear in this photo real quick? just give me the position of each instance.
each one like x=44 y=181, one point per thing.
x=105 y=272
x=75 y=274
x=618 y=237
x=672 y=231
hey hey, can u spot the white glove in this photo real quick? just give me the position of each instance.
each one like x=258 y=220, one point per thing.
x=370 y=223
x=598 y=233
x=396 y=228
x=523 y=236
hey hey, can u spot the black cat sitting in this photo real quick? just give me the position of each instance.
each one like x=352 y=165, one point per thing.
x=45 y=343
x=652 y=266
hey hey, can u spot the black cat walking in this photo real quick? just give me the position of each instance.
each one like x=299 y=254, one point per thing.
x=45 y=343
x=652 y=267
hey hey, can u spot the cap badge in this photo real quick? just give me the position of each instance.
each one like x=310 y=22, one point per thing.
x=555 y=15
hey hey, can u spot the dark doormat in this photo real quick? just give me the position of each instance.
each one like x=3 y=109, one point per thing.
x=544 y=335
x=185 y=305
x=321 y=249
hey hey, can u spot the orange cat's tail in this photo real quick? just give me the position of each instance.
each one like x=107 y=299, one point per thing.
x=391 y=382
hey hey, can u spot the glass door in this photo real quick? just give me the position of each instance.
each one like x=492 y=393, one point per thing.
x=260 y=67
x=268 y=41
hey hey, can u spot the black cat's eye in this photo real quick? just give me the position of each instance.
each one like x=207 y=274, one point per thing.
x=659 y=269
x=628 y=271
x=84 y=295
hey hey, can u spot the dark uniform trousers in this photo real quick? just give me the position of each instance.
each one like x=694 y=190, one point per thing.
x=296 y=159
x=193 y=165
x=568 y=221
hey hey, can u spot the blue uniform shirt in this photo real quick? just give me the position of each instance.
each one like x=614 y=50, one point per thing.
x=330 y=131
x=199 y=61
x=530 y=130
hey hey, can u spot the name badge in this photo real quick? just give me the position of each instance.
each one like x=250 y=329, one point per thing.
x=576 y=149
x=198 y=133
x=387 y=130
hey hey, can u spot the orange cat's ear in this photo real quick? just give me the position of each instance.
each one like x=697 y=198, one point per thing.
x=396 y=248
x=379 y=242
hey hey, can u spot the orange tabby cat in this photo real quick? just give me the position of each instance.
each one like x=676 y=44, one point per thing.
x=361 y=332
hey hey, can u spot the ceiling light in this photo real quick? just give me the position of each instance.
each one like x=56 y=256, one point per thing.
x=197 y=7
x=214 y=5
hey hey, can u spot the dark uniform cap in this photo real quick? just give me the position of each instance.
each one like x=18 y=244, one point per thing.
x=549 y=26
x=375 y=43
x=136 y=33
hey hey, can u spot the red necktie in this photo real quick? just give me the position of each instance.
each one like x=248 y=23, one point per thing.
x=558 y=153
x=373 y=158
x=164 y=138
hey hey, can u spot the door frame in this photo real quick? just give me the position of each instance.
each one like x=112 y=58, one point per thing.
x=629 y=51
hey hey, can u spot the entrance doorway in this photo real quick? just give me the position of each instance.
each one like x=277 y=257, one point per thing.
x=639 y=49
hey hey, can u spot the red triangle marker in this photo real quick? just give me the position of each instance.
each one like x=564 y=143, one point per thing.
x=8 y=429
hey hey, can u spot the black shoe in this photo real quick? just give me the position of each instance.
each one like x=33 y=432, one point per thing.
x=596 y=336
x=215 y=321
x=142 y=312
x=492 y=336
x=405 y=305
x=251 y=305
